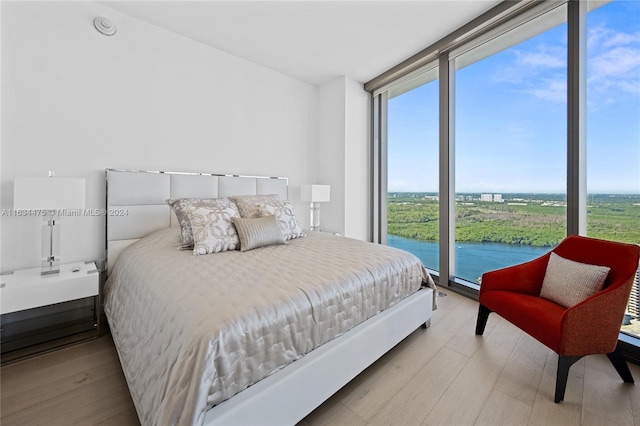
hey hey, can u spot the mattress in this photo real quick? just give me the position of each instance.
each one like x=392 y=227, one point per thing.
x=192 y=331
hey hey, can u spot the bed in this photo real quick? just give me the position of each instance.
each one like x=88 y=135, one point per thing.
x=237 y=337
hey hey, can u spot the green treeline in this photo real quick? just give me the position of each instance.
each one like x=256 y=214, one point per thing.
x=530 y=219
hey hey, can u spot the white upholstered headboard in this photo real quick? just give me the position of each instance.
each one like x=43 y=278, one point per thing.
x=136 y=200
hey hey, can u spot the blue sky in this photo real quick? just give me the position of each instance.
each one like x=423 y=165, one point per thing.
x=511 y=115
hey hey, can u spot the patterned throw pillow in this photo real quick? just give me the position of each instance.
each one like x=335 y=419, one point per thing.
x=284 y=212
x=248 y=204
x=258 y=232
x=212 y=227
x=568 y=283
x=179 y=206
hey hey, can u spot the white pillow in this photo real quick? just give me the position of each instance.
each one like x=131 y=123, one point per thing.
x=284 y=212
x=212 y=227
x=568 y=283
x=179 y=206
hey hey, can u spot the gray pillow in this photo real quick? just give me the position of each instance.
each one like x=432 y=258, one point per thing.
x=258 y=232
x=568 y=283
x=248 y=204
x=283 y=210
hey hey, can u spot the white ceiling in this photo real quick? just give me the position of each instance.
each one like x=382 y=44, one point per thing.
x=314 y=41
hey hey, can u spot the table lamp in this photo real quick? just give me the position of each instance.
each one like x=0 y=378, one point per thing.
x=48 y=197
x=315 y=194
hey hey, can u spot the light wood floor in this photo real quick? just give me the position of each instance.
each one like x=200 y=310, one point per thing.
x=441 y=376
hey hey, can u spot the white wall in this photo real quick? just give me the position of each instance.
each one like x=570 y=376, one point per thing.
x=344 y=157
x=330 y=152
x=77 y=102
x=357 y=161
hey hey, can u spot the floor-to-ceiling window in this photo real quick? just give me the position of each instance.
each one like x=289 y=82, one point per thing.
x=613 y=131
x=510 y=146
x=412 y=168
x=514 y=126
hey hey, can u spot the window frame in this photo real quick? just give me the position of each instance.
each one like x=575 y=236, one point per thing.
x=496 y=21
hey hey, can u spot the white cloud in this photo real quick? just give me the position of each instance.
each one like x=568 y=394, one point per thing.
x=614 y=64
x=530 y=64
x=618 y=39
x=542 y=60
x=616 y=68
x=603 y=37
x=595 y=36
x=537 y=72
x=549 y=89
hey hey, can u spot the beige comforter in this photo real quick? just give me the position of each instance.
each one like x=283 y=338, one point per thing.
x=192 y=331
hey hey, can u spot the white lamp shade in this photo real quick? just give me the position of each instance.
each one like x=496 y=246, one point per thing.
x=48 y=193
x=316 y=193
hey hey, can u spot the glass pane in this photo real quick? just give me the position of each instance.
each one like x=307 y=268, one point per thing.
x=613 y=131
x=413 y=171
x=510 y=147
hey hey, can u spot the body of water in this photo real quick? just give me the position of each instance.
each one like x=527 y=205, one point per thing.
x=472 y=259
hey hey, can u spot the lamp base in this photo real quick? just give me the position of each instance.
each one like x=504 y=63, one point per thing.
x=50 y=247
x=315 y=217
x=50 y=267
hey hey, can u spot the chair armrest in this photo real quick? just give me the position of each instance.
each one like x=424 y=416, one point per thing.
x=593 y=325
x=524 y=278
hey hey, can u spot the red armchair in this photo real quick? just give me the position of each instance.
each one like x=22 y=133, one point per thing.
x=590 y=327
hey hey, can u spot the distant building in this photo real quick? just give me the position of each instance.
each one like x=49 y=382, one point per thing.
x=491 y=198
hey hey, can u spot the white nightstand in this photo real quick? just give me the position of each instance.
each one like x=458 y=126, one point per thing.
x=38 y=313
x=26 y=288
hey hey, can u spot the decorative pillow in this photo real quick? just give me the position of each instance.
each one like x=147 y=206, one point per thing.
x=284 y=212
x=248 y=204
x=568 y=283
x=212 y=227
x=179 y=206
x=258 y=232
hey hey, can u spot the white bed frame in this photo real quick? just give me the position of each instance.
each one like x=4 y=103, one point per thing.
x=136 y=206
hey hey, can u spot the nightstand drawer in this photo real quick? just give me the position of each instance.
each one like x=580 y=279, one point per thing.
x=26 y=289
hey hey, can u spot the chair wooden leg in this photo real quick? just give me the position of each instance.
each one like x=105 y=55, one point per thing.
x=483 y=315
x=564 y=363
x=617 y=359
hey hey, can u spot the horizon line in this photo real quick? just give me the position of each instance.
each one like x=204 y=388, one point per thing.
x=502 y=192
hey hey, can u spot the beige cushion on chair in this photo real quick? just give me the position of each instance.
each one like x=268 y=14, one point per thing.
x=568 y=283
